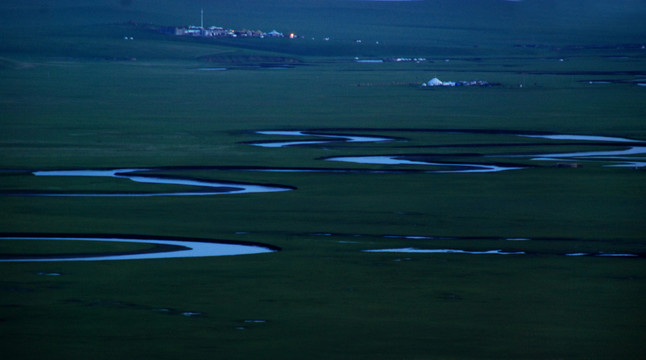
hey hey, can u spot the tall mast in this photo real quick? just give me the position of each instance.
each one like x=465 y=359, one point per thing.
x=202 y=19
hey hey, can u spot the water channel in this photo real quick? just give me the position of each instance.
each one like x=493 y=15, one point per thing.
x=619 y=158
x=179 y=249
x=214 y=187
x=187 y=248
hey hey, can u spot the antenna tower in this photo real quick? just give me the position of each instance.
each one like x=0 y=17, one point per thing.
x=202 y=19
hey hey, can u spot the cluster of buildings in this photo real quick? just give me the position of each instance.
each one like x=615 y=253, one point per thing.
x=389 y=59
x=405 y=59
x=438 y=82
x=217 y=31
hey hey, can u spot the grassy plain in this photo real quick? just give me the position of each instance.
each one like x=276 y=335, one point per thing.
x=76 y=95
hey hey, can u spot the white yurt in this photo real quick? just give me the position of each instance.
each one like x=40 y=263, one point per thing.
x=434 y=82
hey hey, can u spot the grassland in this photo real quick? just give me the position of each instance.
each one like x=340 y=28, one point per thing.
x=76 y=95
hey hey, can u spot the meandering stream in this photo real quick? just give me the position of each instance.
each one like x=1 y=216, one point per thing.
x=214 y=187
x=618 y=157
x=331 y=138
x=184 y=249
x=397 y=160
x=187 y=248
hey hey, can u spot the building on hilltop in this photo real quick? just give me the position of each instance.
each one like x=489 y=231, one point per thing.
x=216 y=31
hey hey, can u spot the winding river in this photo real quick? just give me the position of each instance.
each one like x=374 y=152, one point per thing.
x=214 y=187
x=331 y=138
x=620 y=158
x=616 y=158
x=182 y=249
x=397 y=160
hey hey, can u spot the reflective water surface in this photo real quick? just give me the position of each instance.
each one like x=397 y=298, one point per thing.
x=185 y=249
x=215 y=187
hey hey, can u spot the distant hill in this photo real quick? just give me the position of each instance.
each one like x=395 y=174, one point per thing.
x=415 y=28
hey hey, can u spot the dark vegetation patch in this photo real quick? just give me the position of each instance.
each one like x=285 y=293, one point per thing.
x=611 y=47
x=587 y=73
x=250 y=59
x=471 y=131
x=614 y=81
x=6 y=63
x=124 y=305
x=439 y=130
x=539 y=247
x=155 y=248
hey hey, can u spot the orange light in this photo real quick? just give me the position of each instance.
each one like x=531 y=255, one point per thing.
x=291 y=36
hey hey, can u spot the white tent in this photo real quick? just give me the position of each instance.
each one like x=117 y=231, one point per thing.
x=434 y=82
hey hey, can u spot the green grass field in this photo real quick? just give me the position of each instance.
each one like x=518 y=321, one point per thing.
x=75 y=95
